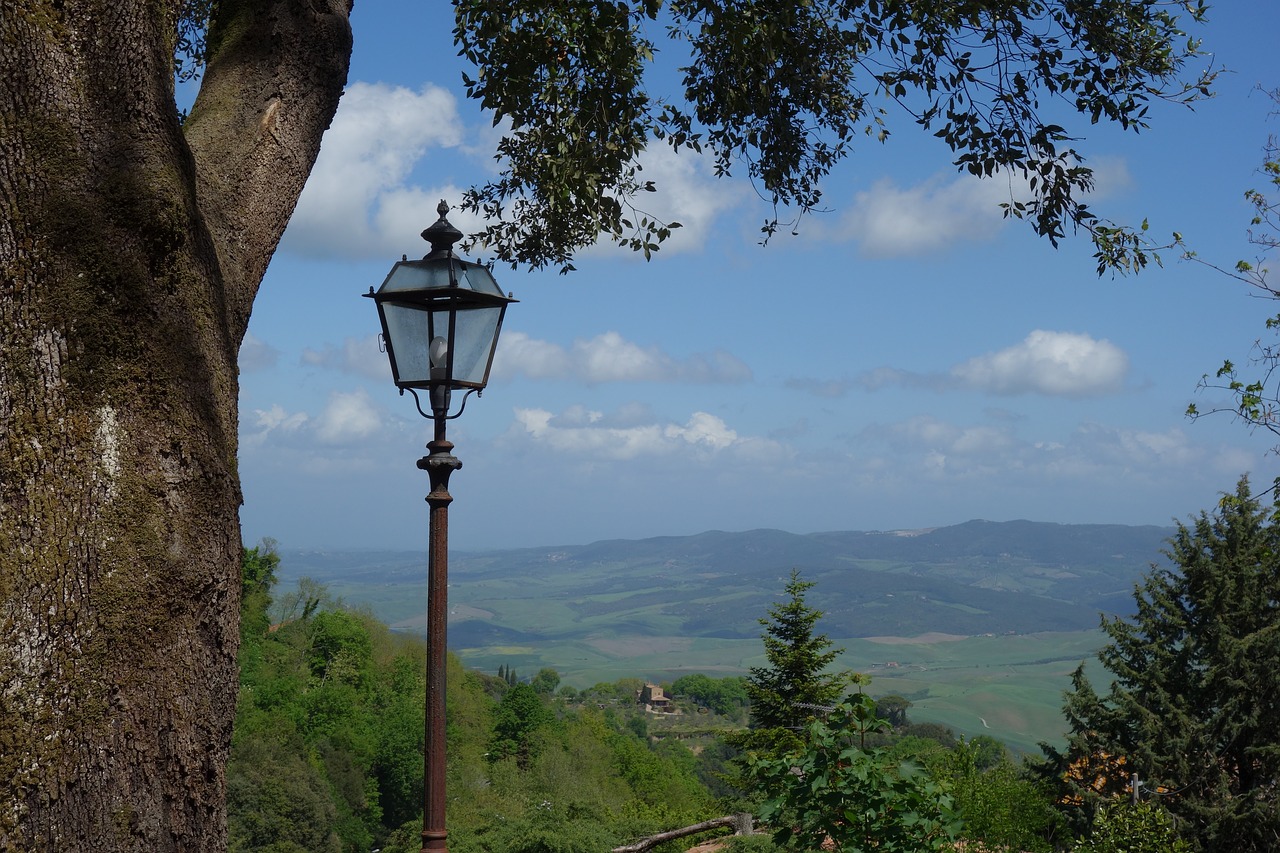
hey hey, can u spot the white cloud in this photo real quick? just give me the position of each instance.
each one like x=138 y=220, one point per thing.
x=520 y=354
x=687 y=192
x=1055 y=364
x=1094 y=448
x=583 y=433
x=704 y=430
x=611 y=358
x=355 y=203
x=1110 y=177
x=1063 y=364
x=1092 y=455
x=348 y=417
x=256 y=354
x=263 y=425
x=940 y=447
x=625 y=417
x=608 y=442
x=361 y=356
x=276 y=418
x=403 y=212
x=891 y=221
x=358 y=201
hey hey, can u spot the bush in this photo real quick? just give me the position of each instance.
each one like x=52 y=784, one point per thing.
x=1137 y=828
x=859 y=798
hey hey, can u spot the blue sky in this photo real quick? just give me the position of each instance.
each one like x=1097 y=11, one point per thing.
x=909 y=360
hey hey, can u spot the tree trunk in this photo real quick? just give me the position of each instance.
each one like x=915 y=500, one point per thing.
x=130 y=252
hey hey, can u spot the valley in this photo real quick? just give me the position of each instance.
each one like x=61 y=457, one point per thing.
x=980 y=625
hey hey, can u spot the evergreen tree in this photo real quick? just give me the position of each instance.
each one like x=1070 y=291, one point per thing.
x=796 y=678
x=1194 y=710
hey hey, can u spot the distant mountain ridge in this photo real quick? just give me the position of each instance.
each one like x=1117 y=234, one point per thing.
x=975 y=578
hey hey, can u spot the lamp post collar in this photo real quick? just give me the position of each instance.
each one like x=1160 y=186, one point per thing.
x=441 y=235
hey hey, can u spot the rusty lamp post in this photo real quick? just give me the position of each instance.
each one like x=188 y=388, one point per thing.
x=440 y=322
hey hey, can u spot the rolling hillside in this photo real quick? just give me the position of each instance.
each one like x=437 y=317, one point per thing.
x=979 y=624
x=969 y=579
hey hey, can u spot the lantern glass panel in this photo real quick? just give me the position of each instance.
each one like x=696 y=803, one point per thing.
x=411 y=330
x=415 y=275
x=409 y=338
x=478 y=278
x=474 y=337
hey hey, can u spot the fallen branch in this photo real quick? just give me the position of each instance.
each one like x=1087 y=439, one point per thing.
x=741 y=824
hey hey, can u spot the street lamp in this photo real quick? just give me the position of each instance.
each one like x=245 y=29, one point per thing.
x=440 y=322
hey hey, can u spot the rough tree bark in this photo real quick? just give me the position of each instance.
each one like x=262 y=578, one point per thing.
x=131 y=247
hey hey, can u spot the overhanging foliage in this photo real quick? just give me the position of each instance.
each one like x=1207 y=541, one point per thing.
x=783 y=91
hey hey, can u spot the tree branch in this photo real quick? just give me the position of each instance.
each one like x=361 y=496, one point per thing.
x=741 y=824
x=275 y=72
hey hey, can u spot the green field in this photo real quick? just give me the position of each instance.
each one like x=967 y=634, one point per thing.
x=1009 y=687
x=979 y=625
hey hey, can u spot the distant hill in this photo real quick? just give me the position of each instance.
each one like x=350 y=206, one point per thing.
x=971 y=579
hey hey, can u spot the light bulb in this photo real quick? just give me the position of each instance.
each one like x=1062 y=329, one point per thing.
x=439 y=352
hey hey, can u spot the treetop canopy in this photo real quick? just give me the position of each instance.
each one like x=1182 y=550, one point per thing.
x=782 y=92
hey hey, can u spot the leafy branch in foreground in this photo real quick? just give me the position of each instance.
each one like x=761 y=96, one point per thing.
x=1255 y=401
x=782 y=91
x=1138 y=828
x=832 y=787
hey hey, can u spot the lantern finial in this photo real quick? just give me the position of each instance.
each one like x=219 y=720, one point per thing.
x=442 y=235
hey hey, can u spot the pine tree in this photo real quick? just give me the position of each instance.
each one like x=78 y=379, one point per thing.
x=1194 y=710
x=784 y=693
